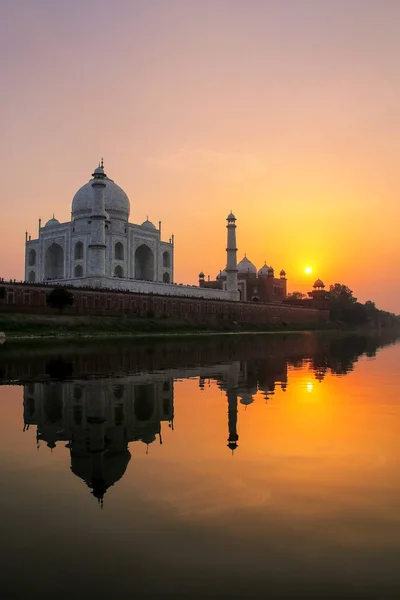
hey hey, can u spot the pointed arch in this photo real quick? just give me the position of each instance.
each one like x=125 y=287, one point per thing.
x=144 y=402
x=144 y=263
x=32 y=258
x=166 y=257
x=119 y=251
x=78 y=251
x=54 y=262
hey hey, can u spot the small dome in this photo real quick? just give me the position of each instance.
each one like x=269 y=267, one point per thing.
x=319 y=284
x=282 y=273
x=221 y=274
x=246 y=398
x=263 y=272
x=231 y=217
x=246 y=267
x=270 y=272
x=52 y=222
x=149 y=225
x=99 y=171
x=201 y=275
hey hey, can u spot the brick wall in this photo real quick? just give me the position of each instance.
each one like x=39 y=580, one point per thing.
x=31 y=298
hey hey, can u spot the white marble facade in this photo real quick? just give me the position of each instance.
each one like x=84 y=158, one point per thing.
x=99 y=248
x=65 y=252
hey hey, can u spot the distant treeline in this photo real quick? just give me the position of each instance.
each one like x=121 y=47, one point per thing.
x=345 y=308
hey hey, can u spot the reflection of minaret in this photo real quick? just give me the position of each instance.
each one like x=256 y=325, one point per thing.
x=232 y=393
x=96 y=419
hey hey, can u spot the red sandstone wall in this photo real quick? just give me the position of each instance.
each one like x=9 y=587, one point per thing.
x=25 y=297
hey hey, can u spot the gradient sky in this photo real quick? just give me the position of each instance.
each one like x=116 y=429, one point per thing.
x=285 y=111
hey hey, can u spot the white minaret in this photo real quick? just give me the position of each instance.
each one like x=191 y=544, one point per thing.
x=231 y=261
x=97 y=246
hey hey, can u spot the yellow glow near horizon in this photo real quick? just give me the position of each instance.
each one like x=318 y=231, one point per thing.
x=308 y=270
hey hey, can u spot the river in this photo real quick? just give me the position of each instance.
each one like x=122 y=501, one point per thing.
x=262 y=466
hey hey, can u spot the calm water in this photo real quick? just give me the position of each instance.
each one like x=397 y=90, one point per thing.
x=235 y=467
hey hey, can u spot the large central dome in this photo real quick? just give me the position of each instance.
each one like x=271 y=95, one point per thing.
x=117 y=202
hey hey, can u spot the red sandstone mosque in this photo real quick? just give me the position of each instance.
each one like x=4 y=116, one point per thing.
x=253 y=285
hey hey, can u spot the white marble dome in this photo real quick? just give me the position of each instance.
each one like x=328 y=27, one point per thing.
x=246 y=267
x=116 y=201
x=52 y=222
x=149 y=225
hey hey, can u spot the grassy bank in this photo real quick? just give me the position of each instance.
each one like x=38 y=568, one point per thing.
x=56 y=326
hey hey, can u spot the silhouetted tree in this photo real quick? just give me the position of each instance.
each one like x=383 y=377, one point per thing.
x=341 y=293
x=60 y=298
x=369 y=305
x=296 y=296
x=345 y=308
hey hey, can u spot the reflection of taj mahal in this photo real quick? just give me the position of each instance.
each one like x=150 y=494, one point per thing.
x=98 y=419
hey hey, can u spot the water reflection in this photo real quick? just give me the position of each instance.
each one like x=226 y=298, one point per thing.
x=337 y=354
x=272 y=468
x=97 y=418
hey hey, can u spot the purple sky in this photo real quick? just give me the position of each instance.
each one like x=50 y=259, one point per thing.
x=286 y=112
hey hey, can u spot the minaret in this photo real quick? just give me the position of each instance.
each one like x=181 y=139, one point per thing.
x=231 y=261
x=97 y=246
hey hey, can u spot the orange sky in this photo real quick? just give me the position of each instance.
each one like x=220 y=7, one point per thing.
x=285 y=112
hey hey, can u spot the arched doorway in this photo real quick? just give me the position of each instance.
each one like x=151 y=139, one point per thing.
x=144 y=402
x=31 y=277
x=78 y=251
x=144 y=263
x=119 y=251
x=118 y=271
x=32 y=258
x=78 y=271
x=166 y=259
x=53 y=404
x=166 y=278
x=54 y=262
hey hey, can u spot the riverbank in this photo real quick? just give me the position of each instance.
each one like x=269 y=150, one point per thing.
x=27 y=326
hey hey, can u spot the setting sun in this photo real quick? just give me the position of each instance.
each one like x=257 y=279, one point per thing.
x=308 y=270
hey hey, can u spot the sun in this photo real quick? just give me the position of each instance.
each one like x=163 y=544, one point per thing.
x=308 y=270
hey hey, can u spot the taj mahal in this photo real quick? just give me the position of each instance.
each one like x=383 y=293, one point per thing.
x=100 y=248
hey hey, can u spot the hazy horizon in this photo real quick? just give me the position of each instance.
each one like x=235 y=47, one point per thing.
x=285 y=112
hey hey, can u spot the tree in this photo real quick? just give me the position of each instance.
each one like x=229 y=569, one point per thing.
x=369 y=305
x=341 y=293
x=60 y=298
x=344 y=306
x=296 y=296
